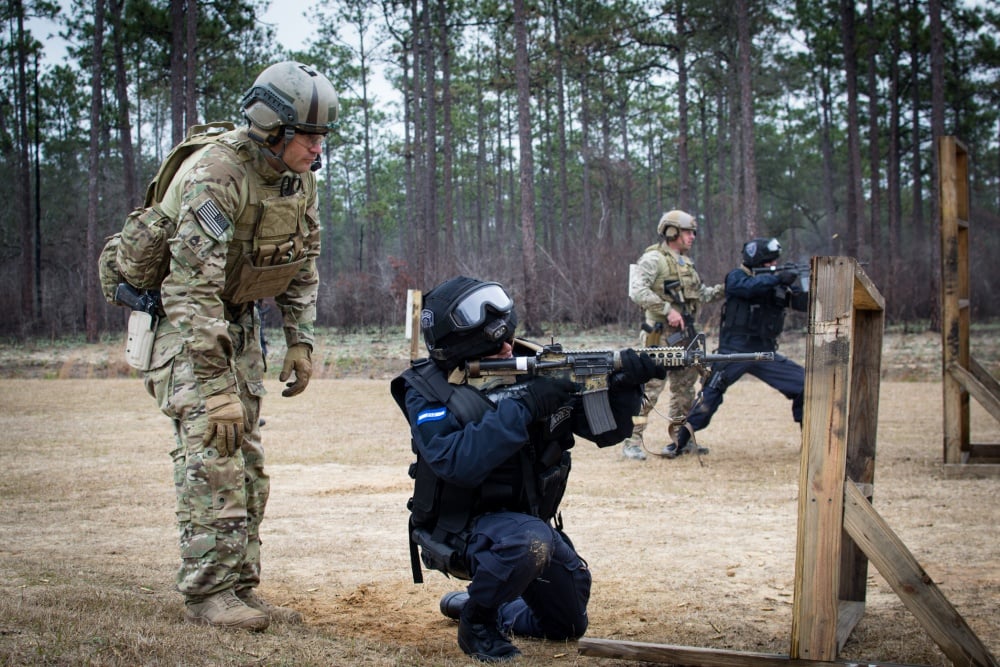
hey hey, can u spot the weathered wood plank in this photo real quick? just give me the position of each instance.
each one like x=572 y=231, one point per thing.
x=913 y=586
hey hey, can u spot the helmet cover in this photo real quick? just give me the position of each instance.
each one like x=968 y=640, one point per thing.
x=678 y=220
x=291 y=94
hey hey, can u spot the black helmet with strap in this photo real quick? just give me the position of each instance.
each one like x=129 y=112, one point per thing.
x=464 y=318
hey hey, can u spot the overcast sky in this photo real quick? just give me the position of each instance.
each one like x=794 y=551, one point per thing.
x=286 y=15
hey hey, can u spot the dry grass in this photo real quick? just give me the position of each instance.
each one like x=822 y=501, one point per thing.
x=683 y=552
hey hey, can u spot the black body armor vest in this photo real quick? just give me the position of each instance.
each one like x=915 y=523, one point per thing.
x=532 y=481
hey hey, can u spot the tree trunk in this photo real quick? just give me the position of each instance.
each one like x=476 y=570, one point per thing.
x=826 y=148
x=748 y=205
x=447 y=141
x=430 y=136
x=22 y=201
x=129 y=180
x=937 y=130
x=563 y=222
x=853 y=204
x=94 y=181
x=190 y=64
x=177 y=71
x=893 y=193
x=874 y=150
x=683 y=167
x=527 y=165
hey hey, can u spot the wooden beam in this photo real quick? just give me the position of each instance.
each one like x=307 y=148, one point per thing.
x=984 y=377
x=850 y=615
x=667 y=654
x=976 y=389
x=913 y=586
x=966 y=471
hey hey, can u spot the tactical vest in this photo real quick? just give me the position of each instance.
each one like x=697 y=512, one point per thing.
x=762 y=317
x=531 y=481
x=269 y=240
x=670 y=267
x=270 y=231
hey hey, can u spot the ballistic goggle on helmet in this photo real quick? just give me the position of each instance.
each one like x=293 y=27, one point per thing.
x=759 y=252
x=464 y=318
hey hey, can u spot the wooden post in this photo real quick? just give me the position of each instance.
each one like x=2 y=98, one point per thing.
x=843 y=357
x=961 y=375
x=838 y=530
x=414 y=302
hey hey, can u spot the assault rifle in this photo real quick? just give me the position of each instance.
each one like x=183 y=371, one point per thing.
x=590 y=371
x=689 y=333
x=802 y=271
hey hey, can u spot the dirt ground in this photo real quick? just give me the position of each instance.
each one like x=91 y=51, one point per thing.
x=694 y=552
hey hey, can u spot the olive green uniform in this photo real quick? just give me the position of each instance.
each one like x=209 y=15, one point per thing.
x=245 y=232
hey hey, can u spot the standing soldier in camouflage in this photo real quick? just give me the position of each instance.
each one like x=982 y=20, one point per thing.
x=247 y=229
x=664 y=310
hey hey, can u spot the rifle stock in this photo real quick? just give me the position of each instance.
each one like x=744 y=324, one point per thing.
x=590 y=371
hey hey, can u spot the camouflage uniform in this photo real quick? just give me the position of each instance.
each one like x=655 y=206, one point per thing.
x=659 y=263
x=230 y=206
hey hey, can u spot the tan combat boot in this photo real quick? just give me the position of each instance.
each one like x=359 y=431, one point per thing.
x=250 y=598
x=225 y=610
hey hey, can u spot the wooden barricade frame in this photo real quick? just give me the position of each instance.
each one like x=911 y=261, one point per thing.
x=839 y=532
x=962 y=375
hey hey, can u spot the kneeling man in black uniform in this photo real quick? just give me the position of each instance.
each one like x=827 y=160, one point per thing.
x=491 y=467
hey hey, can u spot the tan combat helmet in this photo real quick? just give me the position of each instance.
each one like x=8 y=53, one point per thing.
x=286 y=97
x=675 y=220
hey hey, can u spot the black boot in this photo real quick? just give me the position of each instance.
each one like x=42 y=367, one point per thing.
x=452 y=604
x=479 y=636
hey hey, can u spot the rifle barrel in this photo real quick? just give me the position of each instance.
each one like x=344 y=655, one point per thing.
x=739 y=356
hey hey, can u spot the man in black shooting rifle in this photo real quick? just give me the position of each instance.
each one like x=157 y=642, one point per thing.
x=491 y=468
x=752 y=319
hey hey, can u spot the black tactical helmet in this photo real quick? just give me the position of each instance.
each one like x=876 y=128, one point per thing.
x=464 y=318
x=759 y=252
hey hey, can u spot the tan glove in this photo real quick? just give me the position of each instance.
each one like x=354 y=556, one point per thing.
x=225 y=422
x=297 y=359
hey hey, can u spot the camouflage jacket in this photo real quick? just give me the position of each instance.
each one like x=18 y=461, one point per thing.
x=660 y=263
x=224 y=198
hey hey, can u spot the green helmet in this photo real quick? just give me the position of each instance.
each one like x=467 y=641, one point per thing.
x=292 y=96
x=676 y=220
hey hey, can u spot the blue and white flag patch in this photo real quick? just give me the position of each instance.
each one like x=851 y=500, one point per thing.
x=212 y=219
x=432 y=415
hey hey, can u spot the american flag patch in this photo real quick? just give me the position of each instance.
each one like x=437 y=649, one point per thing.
x=212 y=219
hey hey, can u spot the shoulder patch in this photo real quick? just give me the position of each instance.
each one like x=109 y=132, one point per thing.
x=212 y=219
x=432 y=415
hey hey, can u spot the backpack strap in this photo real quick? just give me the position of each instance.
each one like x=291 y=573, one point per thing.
x=466 y=403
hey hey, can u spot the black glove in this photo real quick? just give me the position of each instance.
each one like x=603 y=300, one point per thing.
x=787 y=277
x=639 y=369
x=543 y=396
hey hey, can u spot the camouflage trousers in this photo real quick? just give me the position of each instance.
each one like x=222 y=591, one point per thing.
x=681 y=382
x=220 y=500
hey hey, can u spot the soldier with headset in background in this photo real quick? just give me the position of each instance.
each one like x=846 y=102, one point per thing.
x=662 y=265
x=247 y=228
x=492 y=464
x=752 y=319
